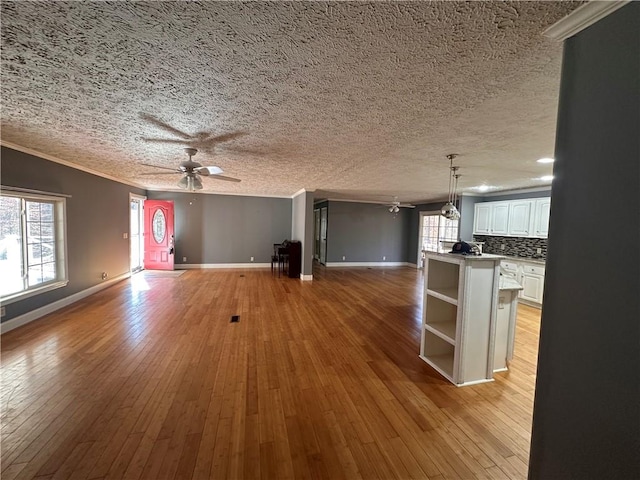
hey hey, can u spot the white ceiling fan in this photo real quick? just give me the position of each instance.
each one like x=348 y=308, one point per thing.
x=395 y=206
x=192 y=172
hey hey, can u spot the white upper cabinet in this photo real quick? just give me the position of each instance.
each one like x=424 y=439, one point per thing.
x=520 y=217
x=513 y=218
x=482 y=219
x=500 y=218
x=541 y=217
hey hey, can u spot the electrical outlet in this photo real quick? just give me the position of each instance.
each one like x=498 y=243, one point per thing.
x=3 y=312
x=184 y=259
x=252 y=259
x=502 y=245
x=344 y=258
x=125 y=235
x=538 y=251
x=104 y=275
x=384 y=258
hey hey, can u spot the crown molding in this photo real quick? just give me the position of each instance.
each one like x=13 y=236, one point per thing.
x=544 y=188
x=350 y=200
x=582 y=17
x=231 y=194
x=66 y=163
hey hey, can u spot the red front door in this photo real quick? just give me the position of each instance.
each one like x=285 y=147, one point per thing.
x=158 y=235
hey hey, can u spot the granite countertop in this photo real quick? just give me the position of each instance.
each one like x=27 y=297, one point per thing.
x=490 y=256
x=507 y=282
x=484 y=256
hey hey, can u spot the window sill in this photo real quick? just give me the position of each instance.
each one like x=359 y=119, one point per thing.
x=15 y=297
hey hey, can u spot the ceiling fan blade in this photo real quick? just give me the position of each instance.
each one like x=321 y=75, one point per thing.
x=407 y=206
x=158 y=166
x=165 y=140
x=226 y=179
x=165 y=126
x=206 y=171
x=161 y=173
x=225 y=137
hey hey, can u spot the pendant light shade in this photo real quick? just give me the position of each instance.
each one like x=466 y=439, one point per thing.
x=449 y=209
x=184 y=182
x=196 y=183
x=190 y=182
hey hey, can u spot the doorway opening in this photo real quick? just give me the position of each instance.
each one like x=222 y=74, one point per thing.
x=434 y=230
x=136 y=232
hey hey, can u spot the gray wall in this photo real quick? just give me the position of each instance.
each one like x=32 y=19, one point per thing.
x=307 y=263
x=586 y=417
x=227 y=228
x=467 y=212
x=365 y=232
x=97 y=216
x=302 y=228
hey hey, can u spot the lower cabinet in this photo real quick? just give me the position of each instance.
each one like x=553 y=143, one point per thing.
x=532 y=283
x=530 y=276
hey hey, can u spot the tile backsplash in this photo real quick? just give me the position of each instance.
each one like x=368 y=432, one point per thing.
x=514 y=246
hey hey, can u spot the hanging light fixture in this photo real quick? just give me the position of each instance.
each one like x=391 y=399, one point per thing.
x=190 y=182
x=184 y=182
x=449 y=209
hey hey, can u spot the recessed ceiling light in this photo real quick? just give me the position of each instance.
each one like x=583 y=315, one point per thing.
x=546 y=160
x=546 y=178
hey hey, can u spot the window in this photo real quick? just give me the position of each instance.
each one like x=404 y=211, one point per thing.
x=32 y=245
x=435 y=229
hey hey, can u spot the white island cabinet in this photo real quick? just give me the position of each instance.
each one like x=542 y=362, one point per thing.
x=459 y=315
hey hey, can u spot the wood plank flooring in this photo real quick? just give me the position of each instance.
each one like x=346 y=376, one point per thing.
x=148 y=379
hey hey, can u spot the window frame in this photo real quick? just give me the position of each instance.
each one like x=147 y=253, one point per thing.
x=423 y=215
x=60 y=235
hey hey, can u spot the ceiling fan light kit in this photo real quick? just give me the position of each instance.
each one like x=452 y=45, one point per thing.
x=192 y=172
x=395 y=206
x=449 y=209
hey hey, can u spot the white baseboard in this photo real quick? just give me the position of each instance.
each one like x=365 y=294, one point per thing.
x=57 y=305
x=306 y=277
x=192 y=266
x=367 y=264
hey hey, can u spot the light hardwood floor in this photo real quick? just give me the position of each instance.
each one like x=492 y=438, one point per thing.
x=149 y=379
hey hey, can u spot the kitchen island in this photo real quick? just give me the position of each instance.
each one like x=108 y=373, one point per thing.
x=459 y=315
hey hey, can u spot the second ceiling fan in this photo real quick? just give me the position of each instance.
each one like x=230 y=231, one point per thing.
x=395 y=206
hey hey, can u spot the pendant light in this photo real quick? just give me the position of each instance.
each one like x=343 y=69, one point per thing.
x=449 y=209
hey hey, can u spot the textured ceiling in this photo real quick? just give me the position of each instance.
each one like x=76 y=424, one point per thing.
x=356 y=100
